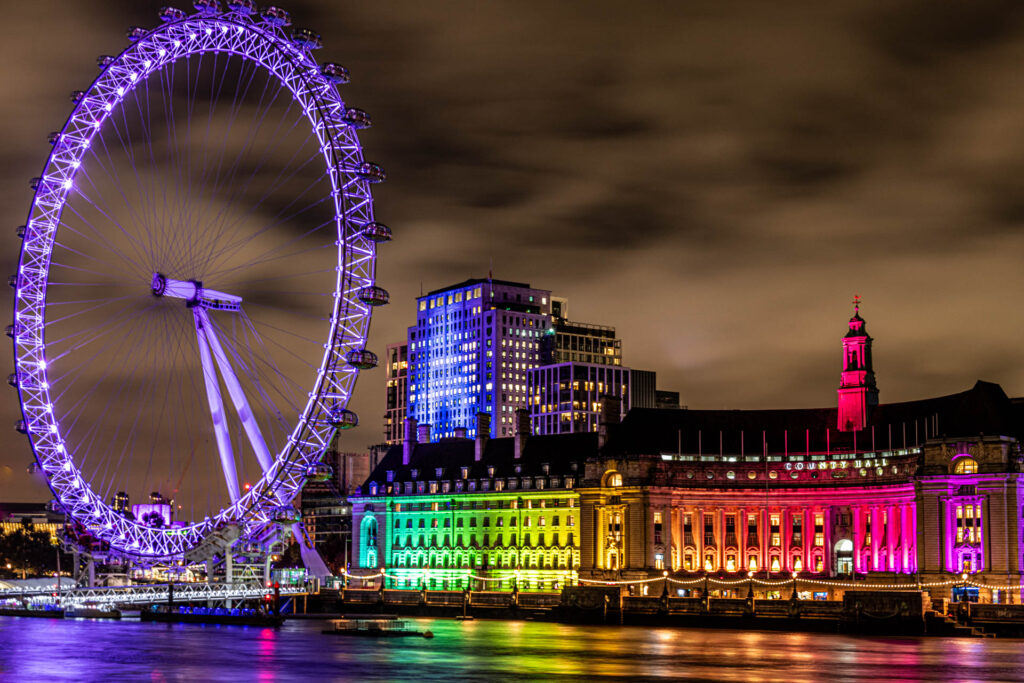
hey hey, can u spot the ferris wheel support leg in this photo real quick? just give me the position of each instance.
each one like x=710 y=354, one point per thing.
x=220 y=426
x=245 y=415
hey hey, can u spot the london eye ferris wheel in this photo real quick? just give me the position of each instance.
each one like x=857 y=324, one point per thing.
x=196 y=280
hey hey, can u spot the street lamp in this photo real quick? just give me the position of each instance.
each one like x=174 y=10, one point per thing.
x=794 y=585
x=750 y=584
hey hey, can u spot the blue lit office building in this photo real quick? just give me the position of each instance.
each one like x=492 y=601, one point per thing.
x=470 y=351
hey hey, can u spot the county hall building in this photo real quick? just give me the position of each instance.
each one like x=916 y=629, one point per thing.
x=865 y=493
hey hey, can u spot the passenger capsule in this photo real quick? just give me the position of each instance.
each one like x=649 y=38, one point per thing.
x=356 y=118
x=335 y=73
x=169 y=14
x=374 y=296
x=53 y=138
x=342 y=418
x=285 y=514
x=376 y=232
x=275 y=16
x=135 y=33
x=21 y=427
x=35 y=183
x=13 y=281
x=77 y=96
x=103 y=61
x=11 y=330
x=243 y=7
x=371 y=172
x=319 y=472
x=20 y=232
x=305 y=39
x=207 y=6
x=12 y=379
x=361 y=359
x=33 y=467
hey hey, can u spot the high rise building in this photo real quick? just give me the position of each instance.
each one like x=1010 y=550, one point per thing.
x=397 y=377
x=570 y=341
x=470 y=351
x=570 y=397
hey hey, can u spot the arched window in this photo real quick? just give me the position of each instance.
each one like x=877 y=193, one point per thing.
x=965 y=465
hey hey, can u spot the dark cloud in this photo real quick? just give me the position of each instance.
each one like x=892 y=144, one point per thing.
x=714 y=179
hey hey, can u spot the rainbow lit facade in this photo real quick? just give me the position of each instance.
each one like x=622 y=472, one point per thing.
x=763 y=496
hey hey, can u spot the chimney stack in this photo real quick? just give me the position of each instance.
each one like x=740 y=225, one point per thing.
x=409 y=443
x=483 y=434
x=423 y=433
x=522 y=430
x=611 y=413
x=460 y=432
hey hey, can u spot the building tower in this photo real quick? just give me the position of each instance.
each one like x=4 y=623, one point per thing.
x=469 y=352
x=858 y=394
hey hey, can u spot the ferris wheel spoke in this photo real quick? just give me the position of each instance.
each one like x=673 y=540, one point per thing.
x=232 y=228
x=278 y=138
x=132 y=240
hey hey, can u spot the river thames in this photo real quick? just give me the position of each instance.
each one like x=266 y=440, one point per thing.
x=52 y=650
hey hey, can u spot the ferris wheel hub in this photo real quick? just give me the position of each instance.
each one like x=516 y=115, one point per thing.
x=194 y=294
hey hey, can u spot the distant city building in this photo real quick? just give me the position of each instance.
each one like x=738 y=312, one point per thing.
x=469 y=352
x=666 y=400
x=396 y=374
x=570 y=397
x=38 y=517
x=642 y=384
x=120 y=502
x=157 y=515
x=323 y=503
x=570 y=341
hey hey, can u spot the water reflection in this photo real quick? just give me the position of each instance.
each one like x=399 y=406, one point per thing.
x=38 y=650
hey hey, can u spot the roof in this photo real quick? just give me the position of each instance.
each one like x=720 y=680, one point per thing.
x=982 y=409
x=478 y=281
x=559 y=451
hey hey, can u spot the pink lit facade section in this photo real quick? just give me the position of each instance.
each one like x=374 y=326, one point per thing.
x=858 y=395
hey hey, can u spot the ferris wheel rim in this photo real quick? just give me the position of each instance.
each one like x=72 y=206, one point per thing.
x=294 y=69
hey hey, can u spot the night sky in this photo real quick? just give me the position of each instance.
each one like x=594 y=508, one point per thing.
x=715 y=179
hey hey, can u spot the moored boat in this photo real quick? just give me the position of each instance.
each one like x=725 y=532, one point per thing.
x=374 y=626
x=211 y=615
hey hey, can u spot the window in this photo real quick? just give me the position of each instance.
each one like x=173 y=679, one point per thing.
x=965 y=465
x=776 y=535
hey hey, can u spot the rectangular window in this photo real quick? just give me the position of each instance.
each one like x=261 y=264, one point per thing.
x=775 y=532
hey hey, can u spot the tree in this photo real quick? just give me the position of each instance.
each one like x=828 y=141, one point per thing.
x=31 y=552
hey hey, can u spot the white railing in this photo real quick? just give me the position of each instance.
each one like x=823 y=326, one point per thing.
x=153 y=593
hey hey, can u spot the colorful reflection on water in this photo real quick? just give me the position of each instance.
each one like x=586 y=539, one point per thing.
x=45 y=650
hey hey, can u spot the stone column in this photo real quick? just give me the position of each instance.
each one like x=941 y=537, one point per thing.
x=877 y=528
x=890 y=538
x=858 y=536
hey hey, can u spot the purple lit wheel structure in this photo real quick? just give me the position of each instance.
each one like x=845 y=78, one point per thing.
x=83 y=430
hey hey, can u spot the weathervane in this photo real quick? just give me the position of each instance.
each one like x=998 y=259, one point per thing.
x=856 y=303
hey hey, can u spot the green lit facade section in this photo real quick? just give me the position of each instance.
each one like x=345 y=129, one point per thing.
x=496 y=540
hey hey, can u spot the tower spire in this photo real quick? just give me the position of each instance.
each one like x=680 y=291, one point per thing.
x=858 y=394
